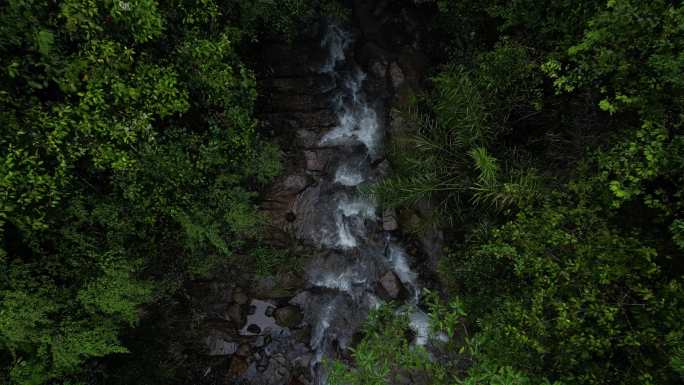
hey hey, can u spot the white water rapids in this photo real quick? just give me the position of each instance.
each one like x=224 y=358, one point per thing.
x=355 y=251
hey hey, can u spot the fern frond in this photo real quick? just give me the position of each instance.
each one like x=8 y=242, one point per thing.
x=486 y=165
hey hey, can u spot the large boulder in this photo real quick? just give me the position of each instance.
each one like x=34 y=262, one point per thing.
x=390 y=286
x=288 y=316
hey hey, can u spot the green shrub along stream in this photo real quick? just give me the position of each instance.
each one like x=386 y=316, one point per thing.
x=551 y=148
x=129 y=163
x=549 y=144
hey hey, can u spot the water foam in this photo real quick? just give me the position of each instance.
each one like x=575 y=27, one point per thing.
x=348 y=176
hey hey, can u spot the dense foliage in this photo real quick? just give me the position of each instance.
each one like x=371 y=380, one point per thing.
x=129 y=162
x=549 y=145
x=552 y=151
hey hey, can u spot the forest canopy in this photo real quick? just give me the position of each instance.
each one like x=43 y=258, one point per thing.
x=130 y=162
x=551 y=147
x=548 y=143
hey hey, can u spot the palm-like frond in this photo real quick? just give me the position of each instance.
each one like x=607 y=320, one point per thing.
x=485 y=164
x=521 y=188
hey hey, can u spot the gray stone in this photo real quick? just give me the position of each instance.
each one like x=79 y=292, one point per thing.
x=218 y=346
x=297 y=103
x=295 y=183
x=269 y=311
x=432 y=241
x=288 y=316
x=307 y=138
x=284 y=285
x=260 y=320
x=269 y=350
x=303 y=360
x=240 y=297
x=389 y=220
x=315 y=161
x=235 y=314
x=238 y=366
x=260 y=341
x=396 y=75
x=279 y=358
x=398 y=124
x=391 y=286
x=243 y=350
x=379 y=69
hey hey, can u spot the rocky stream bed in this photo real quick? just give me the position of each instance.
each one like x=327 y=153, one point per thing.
x=331 y=103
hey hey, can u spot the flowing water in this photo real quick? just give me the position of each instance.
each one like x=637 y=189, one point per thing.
x=355 y=252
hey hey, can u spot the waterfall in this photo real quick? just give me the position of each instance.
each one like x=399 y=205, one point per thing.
x=344 y=278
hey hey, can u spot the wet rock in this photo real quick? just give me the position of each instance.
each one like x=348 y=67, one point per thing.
x=310 y=85
x=295 y=183
x=301 y=298
x=255 y=329
x=240 y=297
x=270 y=349
x=277 y=373
x=389 y=220
x=307 y=138
x=315 y=119
x=301 y=60
x=260 y=341
x=238 y=366
x=218 y=346
x=379 y=69
x=432 y=241
x=396 y=75
x=262 y=365
x=315 y=160
x=282 y=286
x=266 y=324
x=221 y=291
x=414 y=65
x=297 y=103
x=243 y=350
x=390 y=285
x=280 y=359
x=269 y=311
x=288 y=316
x=303 y=360
x=235 y=314
x=302 y=335
x=301 y=380
x=398 y=124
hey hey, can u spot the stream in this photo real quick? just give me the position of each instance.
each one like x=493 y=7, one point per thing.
x=358 y=258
